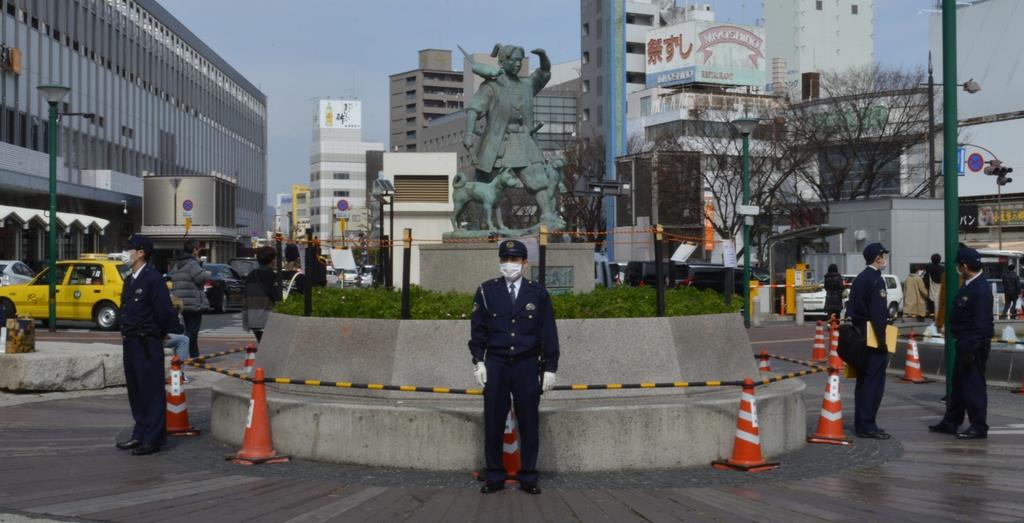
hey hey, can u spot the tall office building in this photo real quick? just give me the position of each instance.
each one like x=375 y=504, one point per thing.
x=421 y=95
x=337 y=166
x=161 y=105
x=817 y=36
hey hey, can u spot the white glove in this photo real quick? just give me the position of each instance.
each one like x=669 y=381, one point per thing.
x=480 y=374
x=548 y=381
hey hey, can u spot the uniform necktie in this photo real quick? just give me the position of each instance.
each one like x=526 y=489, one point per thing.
x=512 y=291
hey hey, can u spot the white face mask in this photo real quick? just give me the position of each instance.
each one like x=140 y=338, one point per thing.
x=133 y=256
x=511 y=270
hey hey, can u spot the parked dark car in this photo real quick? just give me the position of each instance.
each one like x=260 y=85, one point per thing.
x=243 y=265
x=224 y=288
x=697 y=275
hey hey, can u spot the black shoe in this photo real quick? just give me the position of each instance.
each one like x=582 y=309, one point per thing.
x=127 y=445
x=146 y=449
x=529 y=488
x=943 y=427
x=971 y=434
x=491 y=487
x=877 y=434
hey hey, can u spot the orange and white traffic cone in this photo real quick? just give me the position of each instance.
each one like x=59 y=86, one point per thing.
x=250 y=358
x=818 y=351
x=834 y=360
x=746 y=448
x=510 y=448
x=177 y=405
x=830 y=422
x=763 y=364
x=510 y=457
x=912 y=365
x=257 y=447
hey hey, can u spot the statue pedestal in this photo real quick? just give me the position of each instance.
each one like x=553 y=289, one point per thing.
x=462 y=266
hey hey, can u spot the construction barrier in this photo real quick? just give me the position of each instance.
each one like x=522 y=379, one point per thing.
x=177 y=405
x=818 y=349
x=257 y=445
x=250 y=358
x=912 y=366
x=746 y=448
x=830 y=421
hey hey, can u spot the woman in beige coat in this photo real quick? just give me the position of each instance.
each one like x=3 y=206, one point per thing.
x=915 y=294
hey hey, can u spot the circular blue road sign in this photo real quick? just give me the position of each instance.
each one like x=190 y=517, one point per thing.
x=342 y=205
x=187 y=205
x=975 y=162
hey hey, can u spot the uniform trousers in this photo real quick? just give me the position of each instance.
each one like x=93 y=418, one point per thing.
x=520 y=379
x=869 y=390
x=969 y=395
x=144 y=378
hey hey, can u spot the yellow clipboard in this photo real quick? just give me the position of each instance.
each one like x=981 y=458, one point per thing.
x=891 y=333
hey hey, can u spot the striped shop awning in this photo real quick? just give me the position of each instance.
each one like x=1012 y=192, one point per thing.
x=64 y=219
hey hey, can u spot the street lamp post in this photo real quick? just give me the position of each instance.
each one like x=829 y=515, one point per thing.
x=746 y=126
x=53 y=94
x=970 y=87
x=949 y=174
x=384 y=192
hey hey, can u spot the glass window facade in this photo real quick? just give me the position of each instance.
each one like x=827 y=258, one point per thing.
x=165 y=103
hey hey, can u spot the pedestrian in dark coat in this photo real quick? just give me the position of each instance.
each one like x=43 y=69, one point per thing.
x=833 y=291
x=261 y=292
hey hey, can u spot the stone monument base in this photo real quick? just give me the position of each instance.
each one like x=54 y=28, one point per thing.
x=462 y=266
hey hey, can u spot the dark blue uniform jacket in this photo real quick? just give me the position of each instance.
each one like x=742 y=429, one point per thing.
x=502 y=329
x=146 y=308
x=971 y=318
x=868 y=302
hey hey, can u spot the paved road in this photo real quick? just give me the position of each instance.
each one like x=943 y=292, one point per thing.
x=59 y=461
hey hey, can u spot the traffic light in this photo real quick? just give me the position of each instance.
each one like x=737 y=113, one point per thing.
x=995 y=168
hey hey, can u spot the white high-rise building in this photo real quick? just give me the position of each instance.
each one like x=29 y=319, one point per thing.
x=816 y=36
x=337 y=166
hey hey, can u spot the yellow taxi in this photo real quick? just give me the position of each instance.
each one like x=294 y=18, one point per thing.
x=88 y=289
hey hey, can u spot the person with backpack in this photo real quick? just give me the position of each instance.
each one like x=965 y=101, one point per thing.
x=188 y=278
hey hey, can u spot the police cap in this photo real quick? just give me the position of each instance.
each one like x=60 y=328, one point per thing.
x=512 y=249
x=968 y=256
x=873 y=251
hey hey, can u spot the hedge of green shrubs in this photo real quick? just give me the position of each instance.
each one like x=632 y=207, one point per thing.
x=618 y=302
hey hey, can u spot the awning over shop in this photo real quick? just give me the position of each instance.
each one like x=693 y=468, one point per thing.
x=816 y=232
x=64 y=219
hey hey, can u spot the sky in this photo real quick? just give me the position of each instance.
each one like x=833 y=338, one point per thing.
x=297 y=51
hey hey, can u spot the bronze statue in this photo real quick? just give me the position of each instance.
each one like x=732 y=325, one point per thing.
x=507 y=144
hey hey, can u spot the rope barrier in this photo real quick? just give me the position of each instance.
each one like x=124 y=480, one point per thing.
x=200 y=359
x=196 y=363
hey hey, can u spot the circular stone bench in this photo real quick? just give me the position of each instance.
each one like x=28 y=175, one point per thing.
x=579 y=431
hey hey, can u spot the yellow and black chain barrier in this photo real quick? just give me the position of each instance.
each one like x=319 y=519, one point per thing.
x=814 y=369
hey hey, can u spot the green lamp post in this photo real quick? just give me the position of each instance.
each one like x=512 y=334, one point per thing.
x=53 y=94
x=746 y=126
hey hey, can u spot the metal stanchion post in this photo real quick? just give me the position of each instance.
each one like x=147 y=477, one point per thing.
x=406 y=261
x=307 y=309
x=278 y=238
x=542 y=275
x=659 y=274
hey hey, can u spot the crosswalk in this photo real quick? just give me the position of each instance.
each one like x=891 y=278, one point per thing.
x=234 y=329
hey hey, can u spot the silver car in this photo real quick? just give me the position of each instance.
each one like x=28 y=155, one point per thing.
x=14 y=272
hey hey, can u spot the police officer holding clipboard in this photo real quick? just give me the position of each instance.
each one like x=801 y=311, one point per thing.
x=866 y=309
x=514 y=344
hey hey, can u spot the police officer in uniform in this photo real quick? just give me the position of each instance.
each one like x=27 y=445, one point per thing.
x=867 y=308
x=971 y=324
x=146 y=317
x=513 y=339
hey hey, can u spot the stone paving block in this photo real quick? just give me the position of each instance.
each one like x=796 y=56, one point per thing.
x=60 y=366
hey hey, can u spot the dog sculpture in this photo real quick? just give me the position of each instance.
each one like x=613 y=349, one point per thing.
x=487 y=194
